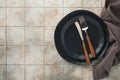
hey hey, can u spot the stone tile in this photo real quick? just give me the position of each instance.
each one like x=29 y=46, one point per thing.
x=34 y=16
x=2 y=17
x=34 y=35
x=2 y=72
x=15 y=35
x=34 y=3
x=2 y=36
x=97 y=11
x=2 y=55
x=15 y=55
x=87 y=73
x=92 y=3
x=65 y=62
x=34 y=72
x=15 y=72
x=69 y=10
x=52 y=56
x=2 y=3
x=15 y=3
x=49 y=35
x=15 y=17
x=53 y=3
x=54 y=72
x=72 y=72
x=73 y=3
x=53 y=16
x=103 y=3
x=34 y=54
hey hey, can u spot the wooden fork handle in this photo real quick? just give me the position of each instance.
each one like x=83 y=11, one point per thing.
x=91 y=46
x=86 y=54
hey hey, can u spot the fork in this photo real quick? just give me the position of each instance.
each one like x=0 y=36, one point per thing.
x=84 y=27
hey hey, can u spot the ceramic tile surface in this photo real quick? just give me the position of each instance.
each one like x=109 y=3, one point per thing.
x=15 y=17
x=15 y=55
x=37 y=70
x=3 y=72
x=53 y=72
x=69 y=10
x=92 y=3
x=15 y=3
x=15 y=72
x=53 y=16
x=51 y=55
x=53 y=3
x=72 y=3
x=34 y=54
x=87 y=73
x=49 y=35
x=2 y=55
x=2 y=17
x=34 y=3
x=2 y=36
x=27 y=48
x=34 y=16
x=97 y=11
x=2 y=3
x=34 y=36
x=72 y=72
x=103 y=3
x=15 y=36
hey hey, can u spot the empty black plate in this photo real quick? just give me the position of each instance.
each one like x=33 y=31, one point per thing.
x=68 y=41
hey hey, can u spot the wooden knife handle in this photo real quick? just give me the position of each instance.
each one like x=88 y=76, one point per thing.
x=91 y=46
x=86 y=54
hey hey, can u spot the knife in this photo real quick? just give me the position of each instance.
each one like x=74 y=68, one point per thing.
x=84 y=27
x=83 y=42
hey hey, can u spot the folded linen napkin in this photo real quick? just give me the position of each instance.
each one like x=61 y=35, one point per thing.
x=111 y=16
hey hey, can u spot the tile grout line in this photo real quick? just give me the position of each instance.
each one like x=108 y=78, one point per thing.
x=44 y=40
x=62 y=61
x=34 y=64
x=27 y=26
x=24 y=42
x=50 y=7
x=30 y=45
x=6 y=38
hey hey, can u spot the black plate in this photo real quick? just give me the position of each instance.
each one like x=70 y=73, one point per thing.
x=68 y=41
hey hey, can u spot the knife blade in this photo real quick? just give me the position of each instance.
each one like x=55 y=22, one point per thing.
x=79 y=30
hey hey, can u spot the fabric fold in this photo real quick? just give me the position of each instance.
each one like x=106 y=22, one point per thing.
x=111 y=16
